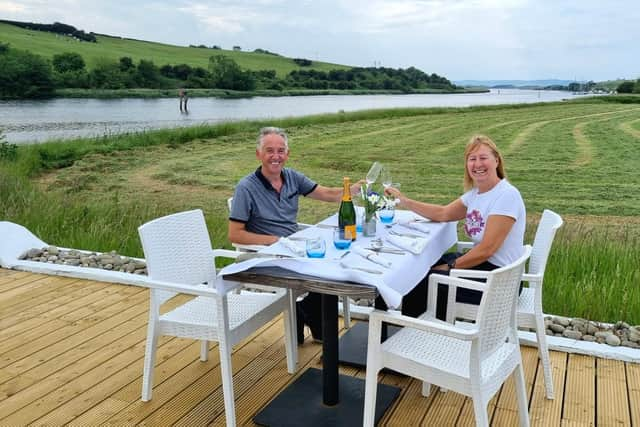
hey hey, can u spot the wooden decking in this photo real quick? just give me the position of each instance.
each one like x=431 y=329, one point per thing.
x=71 y=352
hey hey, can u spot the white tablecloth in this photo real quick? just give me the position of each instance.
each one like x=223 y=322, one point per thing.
x=404 y=274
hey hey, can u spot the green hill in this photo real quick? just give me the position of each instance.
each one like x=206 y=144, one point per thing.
x=113 y=48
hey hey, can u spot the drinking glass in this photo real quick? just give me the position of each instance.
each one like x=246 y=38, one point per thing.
x=373 y=173
x=359 y=218
x=316 y=247
x=386 y=215
x=339 y=239
x=386 y=178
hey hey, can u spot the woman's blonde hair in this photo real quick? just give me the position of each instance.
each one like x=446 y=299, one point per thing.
x=474 y=143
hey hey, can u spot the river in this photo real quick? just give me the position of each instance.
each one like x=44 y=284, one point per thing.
x=31 y=121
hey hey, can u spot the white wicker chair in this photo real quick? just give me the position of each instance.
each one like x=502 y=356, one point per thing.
x=180 y=260
x=346 y=311
x=474 y=360
x=529 y=307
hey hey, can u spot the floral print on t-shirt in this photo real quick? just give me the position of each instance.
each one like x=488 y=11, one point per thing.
x=474 y=223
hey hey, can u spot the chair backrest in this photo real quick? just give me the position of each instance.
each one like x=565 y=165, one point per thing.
x=550 y=222
x=177 y=249
x=497 y=312
x=229 y=203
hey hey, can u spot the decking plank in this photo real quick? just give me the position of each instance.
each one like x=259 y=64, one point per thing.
x=542 y=411
x=633 y=387
x=73 y=334
x=506 y=411
x=180 y=393
x=611 y=389
x=580 y=390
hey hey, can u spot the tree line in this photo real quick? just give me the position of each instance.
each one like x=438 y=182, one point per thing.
x=26 y=75
x=56 y=27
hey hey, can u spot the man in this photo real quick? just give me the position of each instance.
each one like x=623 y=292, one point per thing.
x=265 y=208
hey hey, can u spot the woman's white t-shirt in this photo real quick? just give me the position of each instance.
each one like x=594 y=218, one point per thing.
x=503 y=199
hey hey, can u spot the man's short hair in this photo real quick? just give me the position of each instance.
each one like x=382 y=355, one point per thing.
x=270 y=130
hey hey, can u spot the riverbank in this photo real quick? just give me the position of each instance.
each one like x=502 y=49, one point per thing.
x=235 y=94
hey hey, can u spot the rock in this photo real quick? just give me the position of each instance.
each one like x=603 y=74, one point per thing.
x=558 y=329
x=33 y=253
x=612 y=340
x=591 y=328
x=634 y=334
x=630 y=344
x=72 y=261
x=562 y=321
x=589 y=338
x=53 y=250
x=574 y=335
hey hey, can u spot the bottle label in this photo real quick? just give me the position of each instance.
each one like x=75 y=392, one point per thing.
x=350 y=232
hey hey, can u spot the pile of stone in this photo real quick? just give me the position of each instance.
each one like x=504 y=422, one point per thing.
x=106 y=261
x=618 y=334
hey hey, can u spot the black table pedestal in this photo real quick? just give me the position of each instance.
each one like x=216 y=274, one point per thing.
x=341 y=402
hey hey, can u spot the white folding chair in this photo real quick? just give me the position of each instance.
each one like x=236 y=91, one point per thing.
x=346 y=310
x=474 y=360
x=180 y=260
x=529 y=307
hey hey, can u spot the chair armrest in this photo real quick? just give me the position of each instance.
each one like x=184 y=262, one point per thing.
x=467 y=274
x=196 y=290
x=456 y=282
x=460 y=246
x=453 y=283
x=225 y=253
x=302 y=226
x=428 y=325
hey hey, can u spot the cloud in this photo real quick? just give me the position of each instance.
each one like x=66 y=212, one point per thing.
x=11 y=7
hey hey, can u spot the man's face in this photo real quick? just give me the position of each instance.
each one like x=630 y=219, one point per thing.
x=273 y=154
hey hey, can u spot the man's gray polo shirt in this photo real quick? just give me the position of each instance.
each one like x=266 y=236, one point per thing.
x=265 y=211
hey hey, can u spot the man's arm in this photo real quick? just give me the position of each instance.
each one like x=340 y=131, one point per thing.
x=239 y=234
x=333 y=194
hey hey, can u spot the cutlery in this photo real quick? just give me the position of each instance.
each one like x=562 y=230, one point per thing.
x=366 y=270
x=250 y=255
x=298 y=238
x=387 y=250
x=411 y=235
x=325 y=226
x=342 y=256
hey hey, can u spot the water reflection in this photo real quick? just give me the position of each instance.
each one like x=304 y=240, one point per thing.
x=34 y=121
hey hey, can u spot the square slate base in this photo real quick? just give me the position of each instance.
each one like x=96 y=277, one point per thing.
x=300 y=404
x=353 y=344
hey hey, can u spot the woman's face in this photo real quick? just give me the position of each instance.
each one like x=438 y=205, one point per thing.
x=482 y=166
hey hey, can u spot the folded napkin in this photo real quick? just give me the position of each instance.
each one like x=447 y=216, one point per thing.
x=371 y=256
x=292 y=246
x=415 y=245
x=421 y=225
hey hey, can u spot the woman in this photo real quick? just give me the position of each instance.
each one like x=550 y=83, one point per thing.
x=494 y=215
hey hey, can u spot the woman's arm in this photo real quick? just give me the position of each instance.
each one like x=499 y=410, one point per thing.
x=498 y=227
x=454 y=211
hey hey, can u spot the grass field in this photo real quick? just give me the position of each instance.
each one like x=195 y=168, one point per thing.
x=113 y=48
x=579 y=159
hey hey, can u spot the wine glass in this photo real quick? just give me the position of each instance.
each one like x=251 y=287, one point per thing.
x=387 y=179
x=373 y=173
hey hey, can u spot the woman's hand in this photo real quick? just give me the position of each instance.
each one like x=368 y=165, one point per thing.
x=396 y=194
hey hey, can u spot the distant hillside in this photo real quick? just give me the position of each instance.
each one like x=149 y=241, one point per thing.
x=48 y=44
x=513 y=83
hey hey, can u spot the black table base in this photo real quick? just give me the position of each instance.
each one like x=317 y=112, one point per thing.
x=300 y=404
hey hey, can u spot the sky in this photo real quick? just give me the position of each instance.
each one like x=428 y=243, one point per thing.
x=458 y=39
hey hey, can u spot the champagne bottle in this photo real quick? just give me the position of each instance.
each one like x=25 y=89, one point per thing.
x=347 y=213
